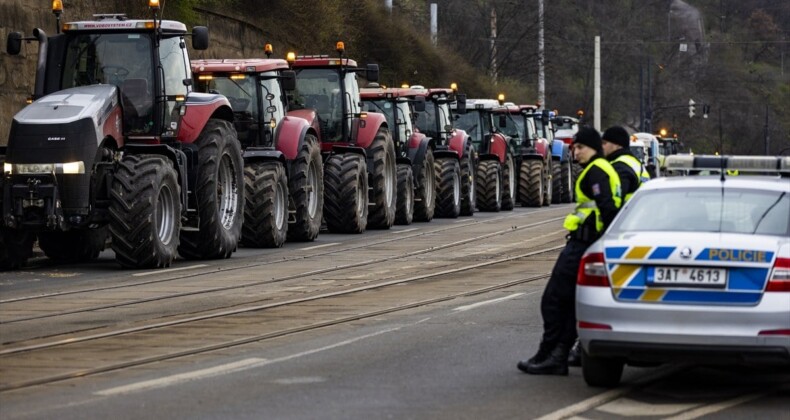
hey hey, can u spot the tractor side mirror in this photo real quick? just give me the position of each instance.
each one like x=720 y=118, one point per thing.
x=372 y=73
x=288 y=81
x=460 y=107
x=544 y=116
x=200 y=37
x=502 y=121
x=419 y=104
x=13 y=43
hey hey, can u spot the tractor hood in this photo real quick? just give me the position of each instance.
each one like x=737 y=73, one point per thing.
x=70 y=105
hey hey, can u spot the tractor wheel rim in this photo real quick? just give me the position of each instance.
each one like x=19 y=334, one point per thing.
x=430 y=184
x=498 y=189
x=511 y=178
x=361 y=194
x=227 y=193
x=279 y=206
x=165 y=215
x=312 y=189
x=389 y=181
x=456 y=189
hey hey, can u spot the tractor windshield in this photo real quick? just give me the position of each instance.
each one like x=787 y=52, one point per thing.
x=122 y=59
x=476 y=123
x=427 y=121
x=397 y=115
x=320 y=89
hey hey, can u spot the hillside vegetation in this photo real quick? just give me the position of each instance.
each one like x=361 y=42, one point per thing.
x=655 y=54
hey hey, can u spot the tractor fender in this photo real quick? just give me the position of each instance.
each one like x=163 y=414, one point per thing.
x=112 y=126
x=531 y=155
x=261 y=154
x=200 y=107
x=311 y=117
x=418 y=147
x=339 y=149
x=443 y=153
x=289 y=135
x=498 y=147
x=542 y=148
x=559 y=150
x=368 y=128
x=179 y=159
x=459 y=141
x=487 y=156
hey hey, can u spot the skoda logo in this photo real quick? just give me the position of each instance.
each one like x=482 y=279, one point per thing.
x=685 y=253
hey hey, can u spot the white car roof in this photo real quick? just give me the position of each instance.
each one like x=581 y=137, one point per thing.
x=771 y=183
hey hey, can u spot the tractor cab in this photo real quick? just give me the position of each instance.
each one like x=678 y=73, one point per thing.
x=478 y=121
x=437 y=120
x=396 y=106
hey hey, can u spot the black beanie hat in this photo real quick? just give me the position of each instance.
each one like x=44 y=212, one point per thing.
x=617 y=135
x=589 y=137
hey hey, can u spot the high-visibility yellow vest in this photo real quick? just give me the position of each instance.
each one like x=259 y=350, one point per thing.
x=637 y=167
x=586 y=206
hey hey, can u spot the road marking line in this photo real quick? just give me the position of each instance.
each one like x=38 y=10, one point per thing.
x=716 y=407
x=404 y=230
x=320 y=246
x=168 y=270
x=183 y=377
x=226 y=368
x=488 y=302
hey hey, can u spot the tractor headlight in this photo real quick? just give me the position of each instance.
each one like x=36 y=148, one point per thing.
x=44 y=168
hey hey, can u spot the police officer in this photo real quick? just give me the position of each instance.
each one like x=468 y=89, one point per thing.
x=615 y=143
x=598 y=198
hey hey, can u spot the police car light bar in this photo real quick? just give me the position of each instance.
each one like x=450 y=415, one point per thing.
x=765 y=164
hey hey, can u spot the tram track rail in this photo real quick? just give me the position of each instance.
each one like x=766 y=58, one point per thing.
x=362 y=263
x=22 y=357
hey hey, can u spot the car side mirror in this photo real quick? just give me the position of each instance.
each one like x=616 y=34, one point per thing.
x=288 y=80
x=200 y=37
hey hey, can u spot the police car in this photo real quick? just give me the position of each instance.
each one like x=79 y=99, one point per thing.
x=693 y=269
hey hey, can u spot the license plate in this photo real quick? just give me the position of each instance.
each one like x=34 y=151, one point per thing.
x=687 y=276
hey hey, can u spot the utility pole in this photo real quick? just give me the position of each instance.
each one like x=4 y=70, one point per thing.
x=434 y=23
x=388 y=6
x=541 y=69
x=597 y=85
x=493 y=45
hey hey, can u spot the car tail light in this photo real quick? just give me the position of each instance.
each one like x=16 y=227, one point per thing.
x=785 y=331
x=593 y=326
x=592 y=271
x=780 y=276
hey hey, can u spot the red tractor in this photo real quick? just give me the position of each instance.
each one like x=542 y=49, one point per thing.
x=416 y=175
x=116 y=140
x=360 y=175
x=532 y=155
x=283 y=172
x=496 y=171
x=453 y=152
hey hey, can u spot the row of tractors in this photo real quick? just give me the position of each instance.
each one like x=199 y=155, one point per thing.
x=130 y=143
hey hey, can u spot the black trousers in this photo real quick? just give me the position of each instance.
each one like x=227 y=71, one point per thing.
x=558 y=304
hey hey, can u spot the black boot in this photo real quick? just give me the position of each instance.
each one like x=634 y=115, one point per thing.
x=575 y=355
x=555 y=364
x=544 y=350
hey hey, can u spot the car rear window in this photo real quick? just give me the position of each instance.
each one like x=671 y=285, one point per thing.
x=758 y=212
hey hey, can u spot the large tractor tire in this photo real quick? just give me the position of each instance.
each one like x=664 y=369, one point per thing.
x=346 y=193
x=425 y=192
x=556 y=182
x=16 y=246
x=74 y=245
x=489 y=186
x=145 y=212
x=306 y=187
x=384 y=181
x=530 y=183
x=405 y=211
x=265 y=205
x=448 y=188
x=548 y=183
x=509 y=184
x=220 y=194
x=567 y=181
x=468 y=176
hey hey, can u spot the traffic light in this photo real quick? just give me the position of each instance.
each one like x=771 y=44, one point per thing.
x=691 y=108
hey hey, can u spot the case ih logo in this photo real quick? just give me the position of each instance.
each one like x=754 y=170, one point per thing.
x=56 y=138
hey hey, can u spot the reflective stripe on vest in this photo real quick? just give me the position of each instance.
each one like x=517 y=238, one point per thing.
x=586 y=206
x=637 y=167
